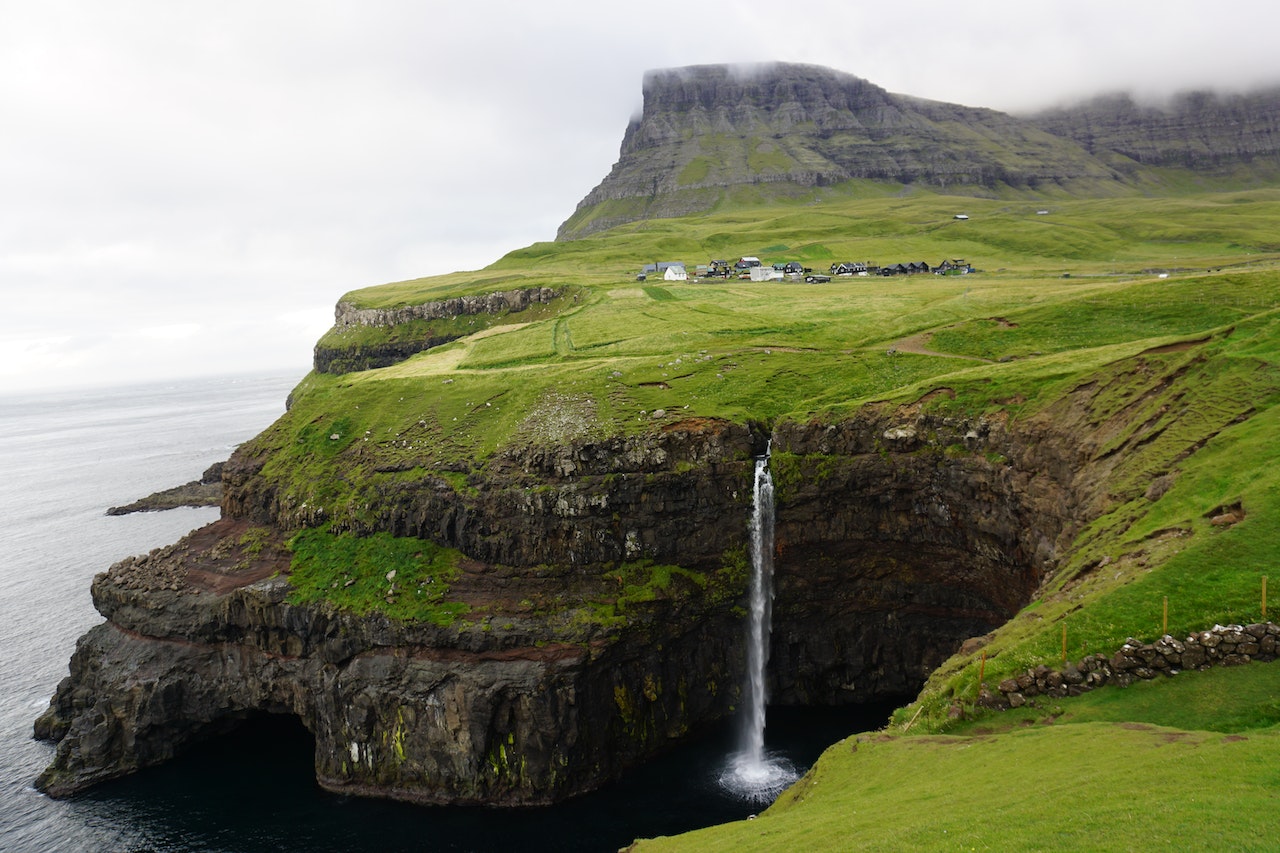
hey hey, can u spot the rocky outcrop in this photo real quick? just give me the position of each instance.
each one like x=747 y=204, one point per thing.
x=346 y=314
x=898 y=537
x=207 y=491
x=196 y=640
x=679 y=495
x=877 y=583
x=409 y=329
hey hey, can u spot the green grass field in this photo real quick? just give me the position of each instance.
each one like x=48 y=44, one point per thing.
x=1187 y=763
x=1139 y=295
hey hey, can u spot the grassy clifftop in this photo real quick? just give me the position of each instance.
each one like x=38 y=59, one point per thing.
x=1169 y=307
x=1058 y=297
x=1098 y=236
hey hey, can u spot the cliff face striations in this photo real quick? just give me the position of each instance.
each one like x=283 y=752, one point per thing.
x=887 y=559
x=787 y=130
x=412 y=712
x=1204 y=132
x=714 y=134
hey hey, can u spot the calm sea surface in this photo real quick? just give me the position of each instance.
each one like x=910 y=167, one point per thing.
x=65 y=458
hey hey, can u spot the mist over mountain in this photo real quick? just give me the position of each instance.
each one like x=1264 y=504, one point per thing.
x=716 y=134
x=1203 y=131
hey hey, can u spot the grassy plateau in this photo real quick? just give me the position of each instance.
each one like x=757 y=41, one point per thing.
x=1120 y=292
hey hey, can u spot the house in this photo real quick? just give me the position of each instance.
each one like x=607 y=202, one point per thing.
x=953 y=266
x=676 y=272
x=849 y=268
x=917 y=267
x=763 y=273
x=720 y=268
x=661 y=266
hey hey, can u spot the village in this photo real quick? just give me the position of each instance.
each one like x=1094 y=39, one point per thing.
x=750 y=268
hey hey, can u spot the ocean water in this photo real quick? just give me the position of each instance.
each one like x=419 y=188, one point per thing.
x=64 y=458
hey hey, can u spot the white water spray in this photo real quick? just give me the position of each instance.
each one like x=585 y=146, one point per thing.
x=751 y=773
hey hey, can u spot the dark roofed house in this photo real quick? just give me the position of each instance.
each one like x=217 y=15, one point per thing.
x=956 y=266
x=661 y=266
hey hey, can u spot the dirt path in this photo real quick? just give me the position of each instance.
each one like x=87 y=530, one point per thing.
x=915 y=344
x=444 y=359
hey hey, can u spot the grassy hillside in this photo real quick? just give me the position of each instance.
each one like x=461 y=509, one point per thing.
x=1178 y=764
x=1090 y=237
x=1172 y=304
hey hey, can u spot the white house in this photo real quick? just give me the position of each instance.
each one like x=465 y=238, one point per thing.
x=676 y=272
x=763 y=273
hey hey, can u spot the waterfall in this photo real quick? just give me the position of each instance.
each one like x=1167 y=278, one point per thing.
x=751 y=773
x=760 y=618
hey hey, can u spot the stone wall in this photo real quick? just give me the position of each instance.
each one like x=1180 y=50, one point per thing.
x=1221 y=645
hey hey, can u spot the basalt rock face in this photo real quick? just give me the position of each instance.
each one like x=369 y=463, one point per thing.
x=681 y=495
x=785 y=129
x=892 y=550
x=335 y=355
x=1202 y=131
x=413 y=712
x=889 y=554
x=716 y=132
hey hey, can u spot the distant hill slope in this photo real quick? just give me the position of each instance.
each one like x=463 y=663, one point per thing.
x=715 y=134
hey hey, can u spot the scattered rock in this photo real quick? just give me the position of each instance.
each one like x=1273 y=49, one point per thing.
x=207 y=491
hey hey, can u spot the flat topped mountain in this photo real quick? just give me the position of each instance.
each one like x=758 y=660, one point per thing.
x=711 y=132
x=716 y=134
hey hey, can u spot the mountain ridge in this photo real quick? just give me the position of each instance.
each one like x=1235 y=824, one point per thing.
x=1198 y=130
x=715 y=134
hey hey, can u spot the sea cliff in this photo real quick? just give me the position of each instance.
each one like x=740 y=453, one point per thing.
x=899 y=535
x=495 y=551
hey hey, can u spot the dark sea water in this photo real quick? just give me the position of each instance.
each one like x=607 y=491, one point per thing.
x=65 y=458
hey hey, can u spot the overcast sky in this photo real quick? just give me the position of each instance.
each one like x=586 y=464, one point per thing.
x=187 y=188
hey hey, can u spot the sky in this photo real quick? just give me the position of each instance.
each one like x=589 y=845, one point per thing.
x=186 y=188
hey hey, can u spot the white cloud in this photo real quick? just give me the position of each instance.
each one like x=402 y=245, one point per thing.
x=171 y=332
x=167 y=165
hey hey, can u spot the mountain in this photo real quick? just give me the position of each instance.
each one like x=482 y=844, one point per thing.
x=498 y=548
x=714 y=134
x=1201 y=131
